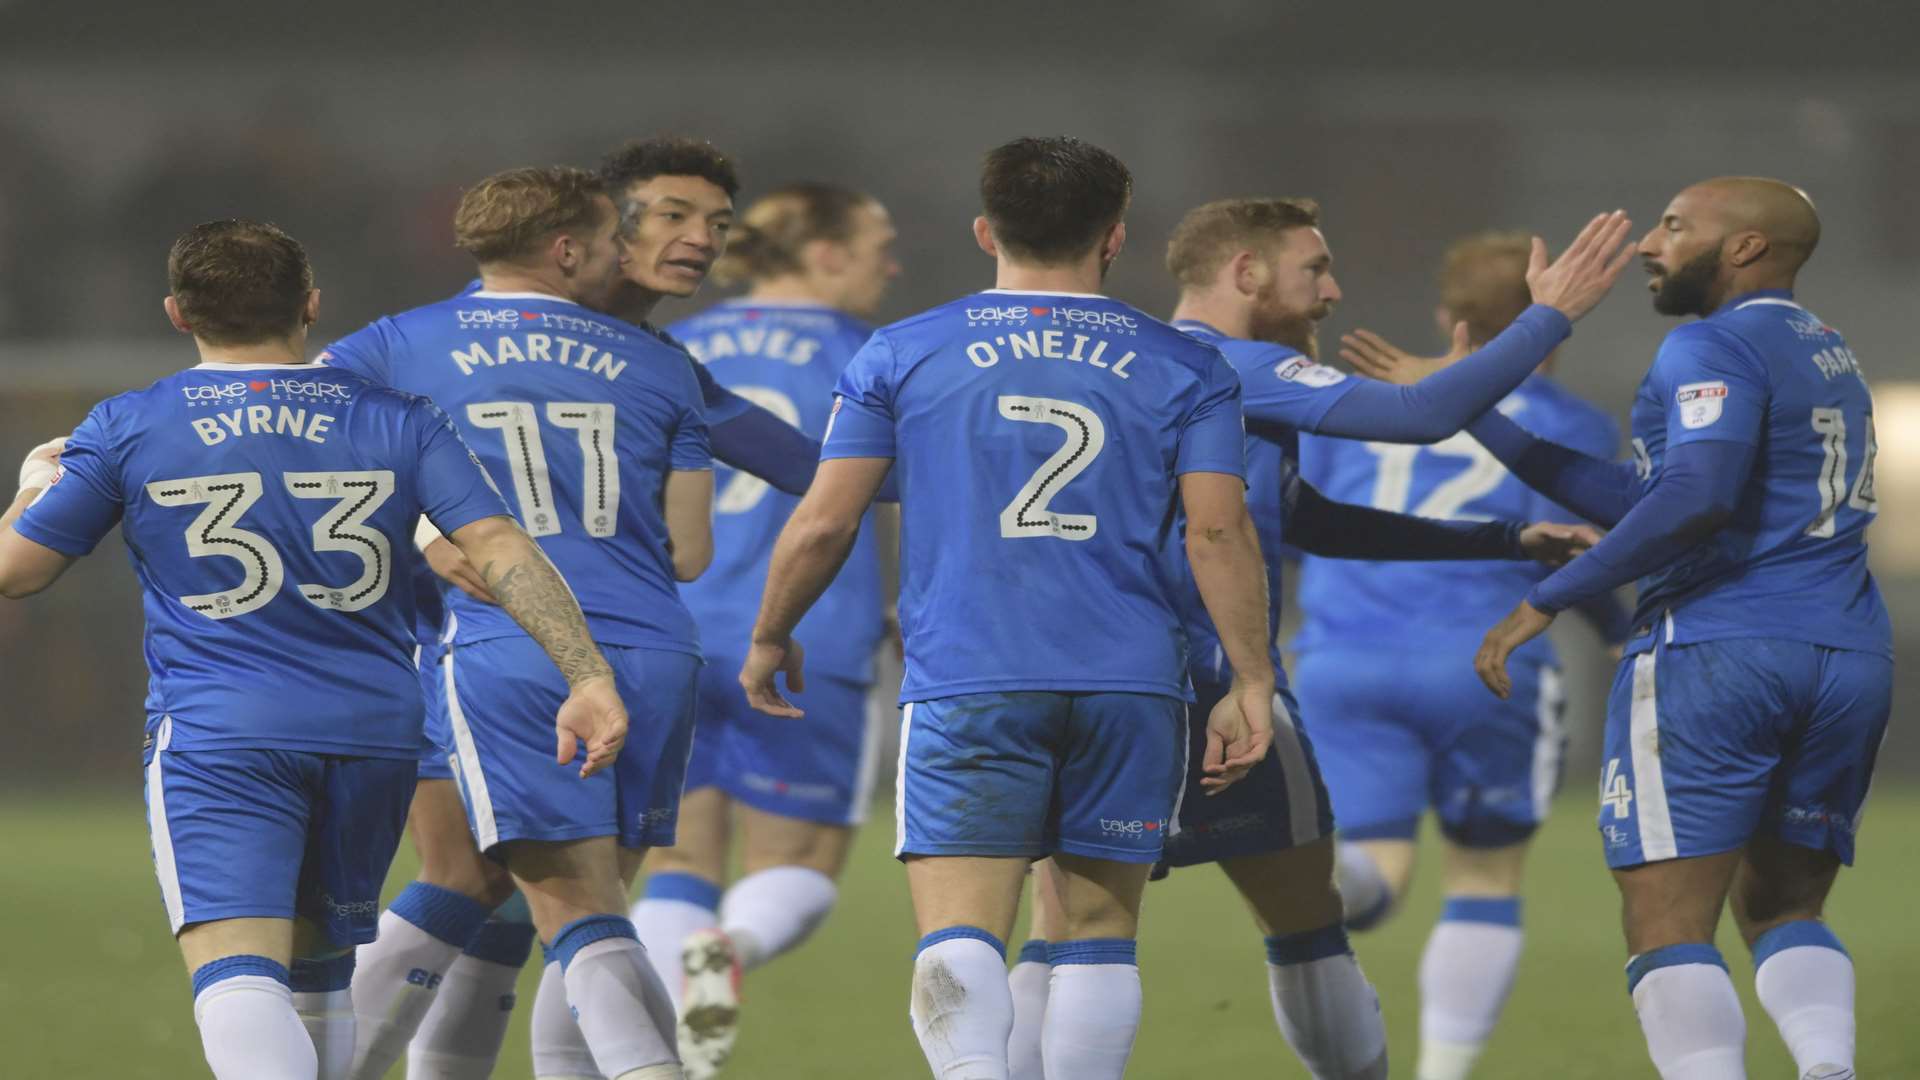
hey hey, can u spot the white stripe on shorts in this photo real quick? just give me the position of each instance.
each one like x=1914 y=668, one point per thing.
x=1186 y=762
x=875 y=706
x=1303 y=806
x=473 y=780
x=900 y=783
x=163 y=865
x=1643 y=745
x=1548 y=742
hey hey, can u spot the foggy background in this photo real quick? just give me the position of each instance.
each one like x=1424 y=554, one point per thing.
x=354 y=125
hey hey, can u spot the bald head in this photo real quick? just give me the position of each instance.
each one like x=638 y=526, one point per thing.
x=1725 y=237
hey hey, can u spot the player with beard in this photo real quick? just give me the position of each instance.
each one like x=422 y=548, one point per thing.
x=1384 y=650
x=1743 y=726
x=1256 y=279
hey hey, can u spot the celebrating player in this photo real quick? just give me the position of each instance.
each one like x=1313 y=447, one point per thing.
x=1428 y=734
x=1256 y=278
x=1045 y=437
x=284 y=711
x=818 y=258
x=1742 y=729
x=596 y=426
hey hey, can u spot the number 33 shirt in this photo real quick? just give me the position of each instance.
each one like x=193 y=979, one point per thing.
x=267 y=510
x=1037 y=440
x=579 y=418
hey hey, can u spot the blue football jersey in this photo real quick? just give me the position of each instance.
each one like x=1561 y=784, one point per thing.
x=579 y=417
x=1037 y=439
x=268 y=511
x=1792 y=561
x=1281 y=381
x=1423 y=603
x=785 y=358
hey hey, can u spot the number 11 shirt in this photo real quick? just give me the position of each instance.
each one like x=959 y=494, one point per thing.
x=1038 y=439
x=579 y=418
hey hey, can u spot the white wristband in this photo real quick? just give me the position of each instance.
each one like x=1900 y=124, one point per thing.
x=36 y=471
x=425 y=534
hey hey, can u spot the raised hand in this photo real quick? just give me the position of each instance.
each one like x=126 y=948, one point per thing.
x=1239 y=734
x=1522 y=624
x=1555 y=545
x=593 y=714
x=1377 y=358
x=1575 y=283
x=756 y=677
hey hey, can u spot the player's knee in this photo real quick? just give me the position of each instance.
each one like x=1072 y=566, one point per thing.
x=477 y=878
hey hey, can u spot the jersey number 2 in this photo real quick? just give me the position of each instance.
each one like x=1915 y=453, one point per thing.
x=216 y=532
x=1027 y=514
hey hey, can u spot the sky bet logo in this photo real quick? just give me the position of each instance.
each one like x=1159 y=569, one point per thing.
x=1116 y=827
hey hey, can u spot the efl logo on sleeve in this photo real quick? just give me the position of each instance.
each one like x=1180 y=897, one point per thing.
x=1301 y=370
x=1700 y=403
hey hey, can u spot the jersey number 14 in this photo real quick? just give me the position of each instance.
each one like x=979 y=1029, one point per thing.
x=1831 y=424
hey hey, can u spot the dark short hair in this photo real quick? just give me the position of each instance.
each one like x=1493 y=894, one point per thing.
x=239 y=282
x=1050 y=200
x=1212 y=232
x=506 y=215
x=668 y=155
x=767 y=240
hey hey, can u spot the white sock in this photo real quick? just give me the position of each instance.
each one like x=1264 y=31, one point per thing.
x=772 y=911
x=399 y=973
x=1028 y=983
x=1804 y=979
x=1465 y=977
x=962 y=1011
x=1690 y=1013
x=674 y=906
x=616 y=996
x=1326 y=1009
x=460 y=1039
x=248 y=1028
x=559 y=1050
x=1364 y=891
x=328 y=1018
x=1093 y=1009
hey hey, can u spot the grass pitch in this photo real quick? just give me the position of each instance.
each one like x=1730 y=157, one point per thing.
x=92 y=986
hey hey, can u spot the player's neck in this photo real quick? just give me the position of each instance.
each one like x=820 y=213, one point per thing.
x=791 y=289
x=1082 y=277
x=1747 y=281
x=1227 y=315
x=515 y=279
x=281 y=352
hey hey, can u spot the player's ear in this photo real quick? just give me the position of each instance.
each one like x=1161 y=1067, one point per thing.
x=173 y=315
x=1748 y=248
x=1116 y=240
x=1248 y=272
x=983 y=235
x=311 y=313
x=829 y=257
x=1443 y=319
x=564 y=252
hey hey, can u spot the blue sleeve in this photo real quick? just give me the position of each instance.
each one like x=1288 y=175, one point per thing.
x=1446 y=401
x=722 y=404
x=1712 y=389
x=1213 y=438
x=862 y=421
x=1600 y=491
x=85 y=501
x=364 y=352
x=758 y=442
x=1697 y=489
x=691 y=451
x=1608 y=616
x=454 y=488
x=1320 y=526
x=1290 y=393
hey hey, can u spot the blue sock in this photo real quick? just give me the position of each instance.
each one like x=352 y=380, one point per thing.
x=1093 y=951
x=1307 y=946
x=1033 y=952
x=228 y=967
x=499 y=942
x=953 y=932
x=687 y=888
x=1498 y=910
x=1793 y=934
x=581 y=933
x=321 y=976
x=1671 y=956
x=443 y=913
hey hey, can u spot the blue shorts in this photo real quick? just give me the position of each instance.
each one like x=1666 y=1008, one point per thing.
x=1710 y=743
x=1281 y=803
x=436 y=757
x=820 y=767
x=1398 y=735
x=274 y=834
x=502 y=697
x=1027 y=774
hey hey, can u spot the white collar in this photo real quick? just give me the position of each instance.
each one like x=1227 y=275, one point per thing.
x=1768 y=300
x=488 y=294
x=310 y=365
x=1049 y=292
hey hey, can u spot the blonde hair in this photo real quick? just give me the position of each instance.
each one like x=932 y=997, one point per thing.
x=1209 y=235
x=507 y=214
x=770 y=236
x=1483 y=281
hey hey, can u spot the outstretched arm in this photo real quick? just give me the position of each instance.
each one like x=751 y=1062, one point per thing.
x=1600 y=491
x=1320 y=526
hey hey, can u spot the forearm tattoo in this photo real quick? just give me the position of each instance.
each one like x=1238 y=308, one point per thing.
x=533 y=592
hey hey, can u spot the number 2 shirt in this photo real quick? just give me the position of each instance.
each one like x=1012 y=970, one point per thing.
x=267 y=511
x=579 y=417
x=1792 y=561
x=1037 y=440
